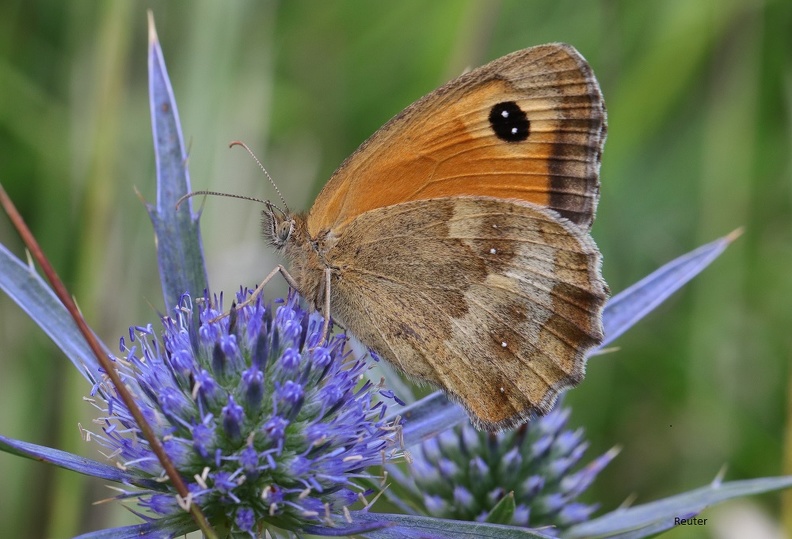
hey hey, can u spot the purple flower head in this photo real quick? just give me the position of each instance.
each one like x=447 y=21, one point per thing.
x=273 y=439
x=463 y=474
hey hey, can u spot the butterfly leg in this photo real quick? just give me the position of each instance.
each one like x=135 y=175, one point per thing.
x=326 y=309
x=260 y=288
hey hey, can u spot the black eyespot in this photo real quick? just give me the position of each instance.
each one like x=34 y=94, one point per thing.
x=509 y=122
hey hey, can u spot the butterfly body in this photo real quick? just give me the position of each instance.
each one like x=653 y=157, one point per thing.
x=454 y=242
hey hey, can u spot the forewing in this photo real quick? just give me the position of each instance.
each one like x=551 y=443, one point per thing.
x=447 y=144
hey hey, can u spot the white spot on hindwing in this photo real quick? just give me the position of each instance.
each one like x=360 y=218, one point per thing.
x=526 y=280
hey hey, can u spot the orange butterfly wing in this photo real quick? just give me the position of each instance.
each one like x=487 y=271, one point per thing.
x=529 y=126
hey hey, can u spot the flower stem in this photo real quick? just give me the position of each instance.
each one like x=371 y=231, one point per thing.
x=63 y=294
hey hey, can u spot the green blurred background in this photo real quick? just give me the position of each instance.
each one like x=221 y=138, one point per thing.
x=699 y=95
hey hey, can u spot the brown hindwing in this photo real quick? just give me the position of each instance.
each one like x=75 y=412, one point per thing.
x=495 y=301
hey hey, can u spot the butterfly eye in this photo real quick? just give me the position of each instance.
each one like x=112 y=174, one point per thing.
x=283 y=231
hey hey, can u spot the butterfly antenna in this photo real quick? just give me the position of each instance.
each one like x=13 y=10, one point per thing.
x=217 y=194
x=256 y=159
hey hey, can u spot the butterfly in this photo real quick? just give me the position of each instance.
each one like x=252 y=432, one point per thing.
x=455 y=241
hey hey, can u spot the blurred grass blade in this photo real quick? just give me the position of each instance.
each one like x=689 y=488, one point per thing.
x=628 y=307
x=179 y=247
x=415 y=527
x=647 y=531
x=160 y=528
x=36 y=298
x=650 y=518
x=70 y=461
x=345 y=529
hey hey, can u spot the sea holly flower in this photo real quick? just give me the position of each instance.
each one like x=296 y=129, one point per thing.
x=272 y=425
x=272 y=428
x=527 y=477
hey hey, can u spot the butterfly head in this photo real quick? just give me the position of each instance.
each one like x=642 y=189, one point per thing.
x=279 y=225
x=287 y=232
